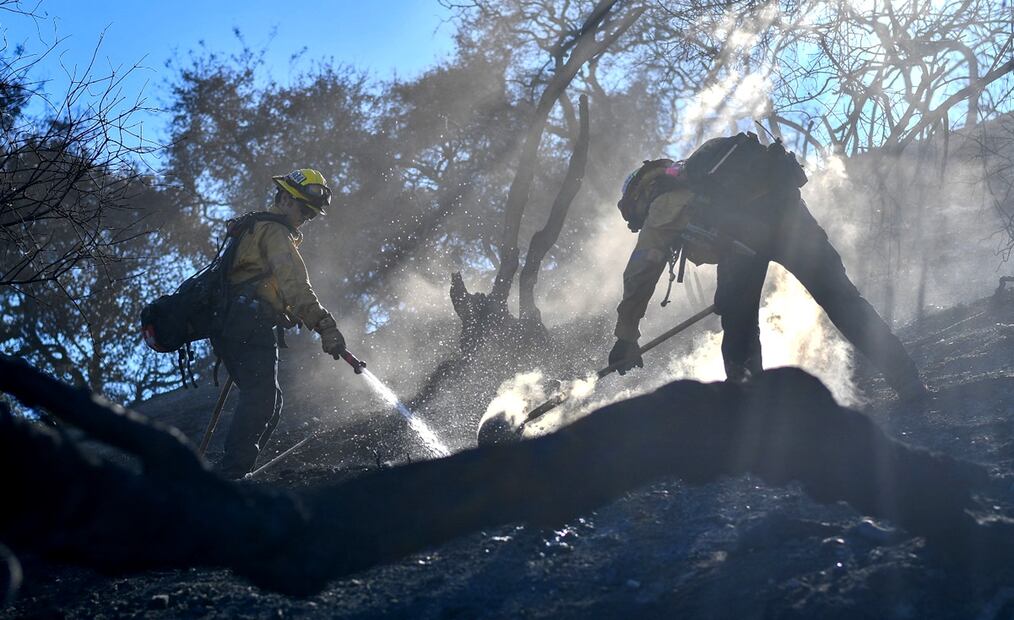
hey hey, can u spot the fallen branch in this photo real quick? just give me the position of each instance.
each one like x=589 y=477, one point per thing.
x=784 y=426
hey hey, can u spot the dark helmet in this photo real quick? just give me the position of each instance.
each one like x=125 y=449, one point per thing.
x=641 y=187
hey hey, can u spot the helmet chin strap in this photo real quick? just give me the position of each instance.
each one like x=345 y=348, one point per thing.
x=293 y=210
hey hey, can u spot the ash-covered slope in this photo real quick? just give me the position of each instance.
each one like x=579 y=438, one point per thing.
x=967 y=355
x=737 y=548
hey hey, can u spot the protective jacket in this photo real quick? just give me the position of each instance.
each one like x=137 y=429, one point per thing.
x=660 y=236
x=268 y=266
x=268 y=286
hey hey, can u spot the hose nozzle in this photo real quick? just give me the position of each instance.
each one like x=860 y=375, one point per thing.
x=357 y=364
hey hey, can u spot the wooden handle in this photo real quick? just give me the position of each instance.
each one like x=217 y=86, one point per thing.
x=559 y=397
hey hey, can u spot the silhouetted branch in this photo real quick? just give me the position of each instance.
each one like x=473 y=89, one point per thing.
x=66 y=180
x=587 y=46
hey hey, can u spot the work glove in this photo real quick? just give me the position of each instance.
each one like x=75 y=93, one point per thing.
x=626 y=351
x=331 y=340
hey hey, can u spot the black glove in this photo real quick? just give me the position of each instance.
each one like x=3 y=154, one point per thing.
x=626 y=351
x=331 y=340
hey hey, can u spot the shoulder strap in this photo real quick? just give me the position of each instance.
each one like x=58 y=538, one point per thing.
x=711 y=155
x=237 y=227
x=242 y=225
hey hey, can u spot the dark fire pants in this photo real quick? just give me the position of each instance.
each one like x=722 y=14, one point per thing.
x=789 y=235
x=248 y=349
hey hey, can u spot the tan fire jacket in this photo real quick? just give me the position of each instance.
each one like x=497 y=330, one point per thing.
x=667 y=217
x=271 y=253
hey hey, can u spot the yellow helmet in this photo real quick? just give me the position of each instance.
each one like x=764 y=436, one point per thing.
x=307 y=186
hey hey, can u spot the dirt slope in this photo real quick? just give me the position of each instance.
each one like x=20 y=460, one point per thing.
x=733 y=549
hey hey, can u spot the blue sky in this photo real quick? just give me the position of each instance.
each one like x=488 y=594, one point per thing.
x=384 y=37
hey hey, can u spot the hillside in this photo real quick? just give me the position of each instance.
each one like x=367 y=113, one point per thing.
x=734 y=548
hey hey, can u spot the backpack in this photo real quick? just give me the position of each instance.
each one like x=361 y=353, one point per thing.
x=740 y=168
x=722 y=172
x=730 y=170
x=197 y=308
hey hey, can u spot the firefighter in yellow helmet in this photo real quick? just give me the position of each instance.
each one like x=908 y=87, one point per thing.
x=268 y=288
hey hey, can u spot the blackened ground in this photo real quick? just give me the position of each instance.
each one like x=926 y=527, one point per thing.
x=733 y=549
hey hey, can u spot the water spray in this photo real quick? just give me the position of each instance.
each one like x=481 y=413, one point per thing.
x=429 y=439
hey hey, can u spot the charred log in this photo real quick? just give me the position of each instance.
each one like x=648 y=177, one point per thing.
x=10 y=576
x=782 y=427
x=74 y=506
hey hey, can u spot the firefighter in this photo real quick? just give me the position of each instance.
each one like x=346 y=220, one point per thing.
x=268 y=288
x=745 y=197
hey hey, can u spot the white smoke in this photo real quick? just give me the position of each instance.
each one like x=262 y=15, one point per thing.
x=734 y=97
x=516 y=397
x=741 y=86
x=796 y=332
x=590 y=285
x=522 y=393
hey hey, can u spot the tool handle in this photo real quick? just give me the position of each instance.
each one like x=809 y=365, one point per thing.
x=660 y=339
x=559 y=397
x=357 y=364
x=554 y=401
x=215 y=415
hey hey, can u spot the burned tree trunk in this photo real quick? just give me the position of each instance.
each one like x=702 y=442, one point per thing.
x=585 y=46
x=500 y=342
x=782 y=427
x=486 y=321
x=545 y=239
x=492 y=344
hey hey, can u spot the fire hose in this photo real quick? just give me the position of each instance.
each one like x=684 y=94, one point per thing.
x=358 y=366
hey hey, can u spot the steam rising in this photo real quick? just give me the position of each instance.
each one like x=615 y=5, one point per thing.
x=796 y=332
x=526 y=391
x=516 y=397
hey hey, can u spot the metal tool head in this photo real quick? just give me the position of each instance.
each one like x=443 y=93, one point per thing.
x=497 y=429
